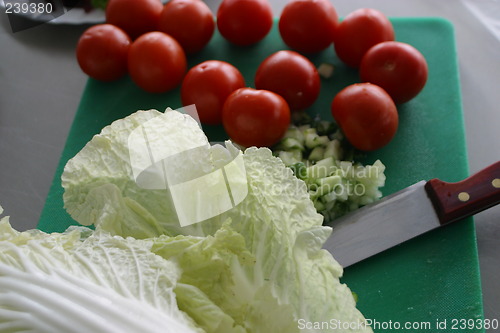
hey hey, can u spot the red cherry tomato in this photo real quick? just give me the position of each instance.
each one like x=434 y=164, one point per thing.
x=156 y=62
x=397 y=67
x=207 y=85
x=102 y=52
x=290 y=75
x=244 y=22
x=255 y=117
x=359 y=31
x=190 y=22
x=135 y=17
x=366 y=114
x=308 y=25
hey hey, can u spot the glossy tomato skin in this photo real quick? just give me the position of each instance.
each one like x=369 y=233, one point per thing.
x=290 y=75
x=244 y=22
x=366 y=114
x=308 y=25
x=102 y=52
x=359 y=31
x=156 y=62
x=255 y=117
x=397 y=67
x=135 y=17
x=207 y=85
x=190 y=22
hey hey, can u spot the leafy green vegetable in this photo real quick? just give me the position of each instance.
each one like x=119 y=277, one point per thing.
x=261 y=262
x=258 y=267
x=100 y=188
x=73 y=283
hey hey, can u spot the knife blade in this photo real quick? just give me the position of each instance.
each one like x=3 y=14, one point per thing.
x=409 y=213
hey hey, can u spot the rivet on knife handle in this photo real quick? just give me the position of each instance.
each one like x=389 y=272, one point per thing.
x=454 y=201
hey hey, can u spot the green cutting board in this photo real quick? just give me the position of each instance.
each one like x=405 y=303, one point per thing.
x=426 y=281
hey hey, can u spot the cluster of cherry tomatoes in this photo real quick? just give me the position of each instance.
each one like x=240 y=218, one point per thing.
x=150 y=41
x=392 y=73
x=147 y=40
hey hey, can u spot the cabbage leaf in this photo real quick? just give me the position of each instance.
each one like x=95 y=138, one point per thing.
x=258 y=267
x=81 y=281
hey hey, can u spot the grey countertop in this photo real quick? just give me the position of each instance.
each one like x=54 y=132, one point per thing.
x=41 y=85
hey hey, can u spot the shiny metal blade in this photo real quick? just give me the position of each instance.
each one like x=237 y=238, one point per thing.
x=382 y=225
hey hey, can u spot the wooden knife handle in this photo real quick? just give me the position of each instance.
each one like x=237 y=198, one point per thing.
x=454 y=201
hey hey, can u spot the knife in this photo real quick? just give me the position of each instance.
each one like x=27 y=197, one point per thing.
x=410 y=212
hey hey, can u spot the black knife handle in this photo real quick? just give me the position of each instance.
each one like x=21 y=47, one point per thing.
x=454 y=201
